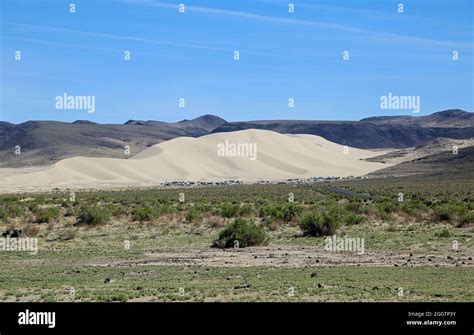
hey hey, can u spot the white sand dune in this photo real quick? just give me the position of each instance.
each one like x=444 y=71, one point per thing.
x=279 y=157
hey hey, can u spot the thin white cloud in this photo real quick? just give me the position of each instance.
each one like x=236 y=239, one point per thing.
x=42 y=76
x=392 y=37
x=118 y=37
x=67 y=45
x=140 y=39
x=382 y=14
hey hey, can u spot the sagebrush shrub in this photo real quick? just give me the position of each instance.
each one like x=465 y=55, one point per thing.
x=467 y=219
x=244 y=233
x=290 y=212
x=144 y=214
x=229 y=210
x=445 y=232
x=192 y=215
x=352 y=219
x=92 y=216
x=47 y=215
x=321 y=223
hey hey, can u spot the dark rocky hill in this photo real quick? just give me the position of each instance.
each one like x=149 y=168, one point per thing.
x=375 y=132
x=45 y=142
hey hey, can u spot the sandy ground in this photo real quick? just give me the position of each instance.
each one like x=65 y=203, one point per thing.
x=277 y=157
x=291 y=256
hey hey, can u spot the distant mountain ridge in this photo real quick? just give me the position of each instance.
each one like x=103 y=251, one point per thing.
x=374 y=132
x=45 y=142
x=455 y=118
x=206 y=123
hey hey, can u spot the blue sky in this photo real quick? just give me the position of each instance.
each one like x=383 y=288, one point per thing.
x=190 y=55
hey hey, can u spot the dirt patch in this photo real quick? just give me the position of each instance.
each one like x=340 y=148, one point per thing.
x=289 y=256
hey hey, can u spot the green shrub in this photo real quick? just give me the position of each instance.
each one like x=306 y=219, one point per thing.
x=414 y=208
x=246 y=234
x=203 y=208
x=322 y=223
x=165 y=209
x=365 y=209
x=290 y=212
x=353 y=207
x=229 y=210
x=47 y=215
x=192 y=215
x=470 y=204
x=92 y=216
x=387 y=207
x=352 y=219
x=277 y=212
x=384 y=216
x=13 y=211
x=144 y=214
x=449 y=211
x=245 y=210
x=443 y=213
x=116 y=210
x=69 y=212
x=445 y=232
x=467 y=219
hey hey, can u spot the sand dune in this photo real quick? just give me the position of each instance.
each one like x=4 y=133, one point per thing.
x=277 y=157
